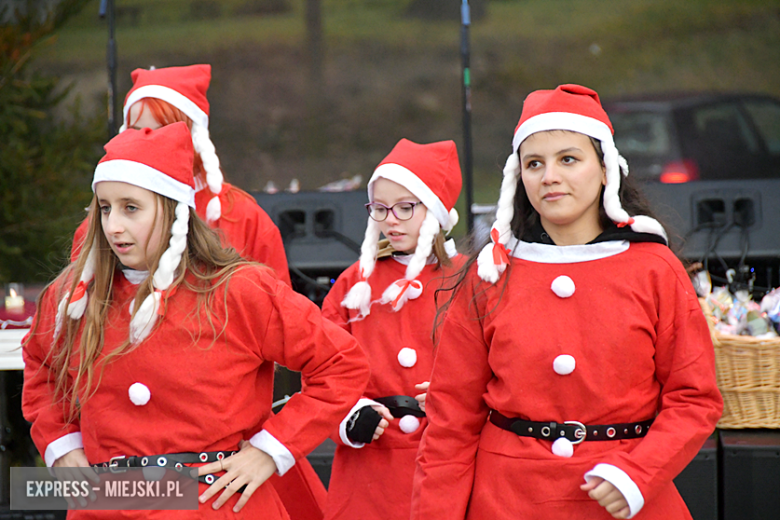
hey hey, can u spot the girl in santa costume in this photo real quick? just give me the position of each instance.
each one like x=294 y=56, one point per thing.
x=574 y=377
x=158 y=341
x=386 y=301
x=168 y=95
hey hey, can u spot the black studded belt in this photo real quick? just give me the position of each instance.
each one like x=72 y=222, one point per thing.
x=174 y=461
x=400 y=405
x=574 y=431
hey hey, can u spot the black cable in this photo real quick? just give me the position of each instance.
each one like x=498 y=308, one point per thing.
x=344 y=239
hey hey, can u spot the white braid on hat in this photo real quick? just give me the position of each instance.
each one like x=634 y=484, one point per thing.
x=359 y=296
x=146 y=316
x=208 y=154
x=487 y=269
x=75 y=309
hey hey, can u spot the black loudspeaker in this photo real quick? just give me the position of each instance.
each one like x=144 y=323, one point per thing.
x=750 y=468
x=724 y=221
x=322 y=233
x=698 y=482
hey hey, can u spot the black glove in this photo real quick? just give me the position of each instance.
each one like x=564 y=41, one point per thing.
x=362 y=424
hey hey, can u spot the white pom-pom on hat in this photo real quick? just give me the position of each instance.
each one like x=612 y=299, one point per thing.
x=563 y=447
x=139 y=394
x=564 y=364
x=407 y=357
x=563 y=286
x=409 y=423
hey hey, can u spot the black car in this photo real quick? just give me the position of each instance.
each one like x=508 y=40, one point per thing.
x=676 y=138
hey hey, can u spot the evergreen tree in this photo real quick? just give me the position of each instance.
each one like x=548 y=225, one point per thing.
x=46 y=164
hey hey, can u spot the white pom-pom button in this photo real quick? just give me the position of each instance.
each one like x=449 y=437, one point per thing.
x=407 y=357
x=563 y=286
x=564 y=364
x=139 y=394
x=409 y=423
x=563 y=448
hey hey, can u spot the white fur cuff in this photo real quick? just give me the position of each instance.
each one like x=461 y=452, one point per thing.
x=61 y=447
x=618 y=478
x=266 y=442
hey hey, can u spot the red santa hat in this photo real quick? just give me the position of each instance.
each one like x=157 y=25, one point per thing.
x=431 y=172
x=576 y=109
x=159 y=161
x=184 y=88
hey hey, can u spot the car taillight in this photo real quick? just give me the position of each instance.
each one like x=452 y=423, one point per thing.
x=677 y=172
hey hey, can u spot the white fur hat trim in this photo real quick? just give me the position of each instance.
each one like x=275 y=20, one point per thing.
x=139 y=394
x=564 y=364
x=409 y=423
x=563 y=286
x=563 y=447
x=407 y=357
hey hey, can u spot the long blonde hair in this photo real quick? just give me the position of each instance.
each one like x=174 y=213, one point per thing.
x=204 y=258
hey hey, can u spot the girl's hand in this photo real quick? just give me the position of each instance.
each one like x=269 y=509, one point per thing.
x=384 y=423
x=249 y=467
x=421 y=397
x=607 y=496
x=74 y=466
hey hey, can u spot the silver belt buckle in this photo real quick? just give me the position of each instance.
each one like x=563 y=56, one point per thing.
x=580 y=433
x=113 y=464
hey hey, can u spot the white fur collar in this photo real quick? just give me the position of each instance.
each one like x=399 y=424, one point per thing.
x=552 y=254
x=135 y=277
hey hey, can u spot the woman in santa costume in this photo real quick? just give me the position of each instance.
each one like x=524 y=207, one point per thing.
x=575 y=374
x=386 y=301
x=158 y=341
x=168 y=95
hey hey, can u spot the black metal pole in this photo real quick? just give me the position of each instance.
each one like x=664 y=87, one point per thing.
x=465 y=15
x=107 y=10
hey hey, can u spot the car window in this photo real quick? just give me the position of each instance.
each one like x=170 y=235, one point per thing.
x=641 y=133
x=766 y=116
x=724 y=128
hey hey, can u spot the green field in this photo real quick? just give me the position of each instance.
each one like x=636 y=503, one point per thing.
x=388 y=75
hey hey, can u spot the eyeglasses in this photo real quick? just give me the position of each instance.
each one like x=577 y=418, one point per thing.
x=402 y=210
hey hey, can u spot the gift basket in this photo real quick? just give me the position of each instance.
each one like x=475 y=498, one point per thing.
x=747 y=353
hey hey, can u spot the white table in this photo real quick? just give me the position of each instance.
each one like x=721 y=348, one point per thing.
x=11 y=349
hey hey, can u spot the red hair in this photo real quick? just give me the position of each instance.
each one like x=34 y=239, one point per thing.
x=166 y=114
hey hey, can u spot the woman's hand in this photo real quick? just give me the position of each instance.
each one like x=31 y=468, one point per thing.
x=421 y=397
x=607 y=496
x=74 y=466
x=384 y=423
x=249 y=467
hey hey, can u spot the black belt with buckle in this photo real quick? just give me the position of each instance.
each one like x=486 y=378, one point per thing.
x=574 y=431
x=401 y=405
x=175 y=461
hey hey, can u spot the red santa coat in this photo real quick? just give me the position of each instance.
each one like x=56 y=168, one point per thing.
x=375 y=481
x=244 y=226
x=208 y=391
x=641 y=346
